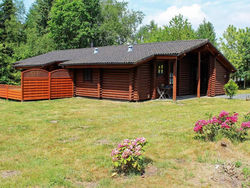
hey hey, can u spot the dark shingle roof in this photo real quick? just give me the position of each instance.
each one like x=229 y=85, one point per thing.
x=113 y=54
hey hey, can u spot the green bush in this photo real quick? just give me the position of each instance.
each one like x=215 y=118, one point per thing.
x=231 y=88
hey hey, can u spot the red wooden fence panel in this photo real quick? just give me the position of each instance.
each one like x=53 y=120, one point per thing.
x=14 y=92
x=3 y=91
x=10 y=92
x=61 y=84
x=35 y=84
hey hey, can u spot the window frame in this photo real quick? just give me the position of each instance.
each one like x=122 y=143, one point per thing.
x=160 y=69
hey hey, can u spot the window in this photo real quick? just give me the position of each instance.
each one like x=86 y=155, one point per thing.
x=87 y=75
x=160 y=70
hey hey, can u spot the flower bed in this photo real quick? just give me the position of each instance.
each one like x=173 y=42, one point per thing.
x=224 y=124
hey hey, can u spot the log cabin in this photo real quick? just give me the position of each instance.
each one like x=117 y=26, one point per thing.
x=135 y=72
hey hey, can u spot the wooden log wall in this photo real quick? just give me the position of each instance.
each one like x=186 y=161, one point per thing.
x=222 y=77
x=87 y=88
x=115 y=84
x=143 y=82
x=212 y=77
x=61 y=84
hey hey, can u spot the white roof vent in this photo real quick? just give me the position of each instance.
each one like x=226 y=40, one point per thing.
x=130 y=48
x=96 y=51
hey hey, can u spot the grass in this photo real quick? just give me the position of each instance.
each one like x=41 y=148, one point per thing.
x=244 y=91
x=58 y=143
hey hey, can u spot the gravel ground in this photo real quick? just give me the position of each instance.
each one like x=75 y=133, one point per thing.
x=239 y=96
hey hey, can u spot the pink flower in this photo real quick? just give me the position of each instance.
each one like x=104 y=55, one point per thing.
x=199 y=125
x=223 y=114
x=245 y=125
x=138 y=148
x=126 y=153
x=137 y=153
x=126 y=141
x=114 y=152
x=224 y=125
x=133 y=143
x=114 y=159
x=131 y=147
x=198 y=128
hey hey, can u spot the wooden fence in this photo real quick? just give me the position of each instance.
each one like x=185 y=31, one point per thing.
x=38 y=84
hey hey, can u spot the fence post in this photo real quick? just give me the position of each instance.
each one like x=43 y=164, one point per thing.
x=49 y=85
x=22 y=86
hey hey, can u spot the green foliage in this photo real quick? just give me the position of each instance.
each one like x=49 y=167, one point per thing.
x=206 y=31
x=235 y=45
x=118 y=24
x=246 y=117
x=11 y=35
x=246 y=172
x=178 y=28
x=238 y=164
x=231 y=88
x=74 y=24
x=34 y=45
x=38 y=16
x=234 y=134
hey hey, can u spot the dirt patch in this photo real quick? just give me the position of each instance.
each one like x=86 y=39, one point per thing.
x=216 y=175
x=180 y=161
x=54 y=121
x=9 y=173
x=103 y=142
x=86 y=184
x=69 y=140
x=150 y=170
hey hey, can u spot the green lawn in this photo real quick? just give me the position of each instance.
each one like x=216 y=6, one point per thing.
x=244 y=91
x=67 y=142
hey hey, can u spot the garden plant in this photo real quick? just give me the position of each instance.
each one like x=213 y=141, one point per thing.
x=231 y=88
x=224 y=124
x=127 y=157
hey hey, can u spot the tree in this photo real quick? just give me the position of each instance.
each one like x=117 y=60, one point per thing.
x=146 y=31
x=74 y=24
x=11 y=36
x=235 y=46
x=7 y=10
x=181 y=29
x=206 y=31
x=38 y=16
x=178 y=28
x=118 y=23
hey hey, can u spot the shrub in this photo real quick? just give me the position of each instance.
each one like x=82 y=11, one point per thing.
x=225 y=124
x=231 y=88
x=247 y=117
x=127 y=157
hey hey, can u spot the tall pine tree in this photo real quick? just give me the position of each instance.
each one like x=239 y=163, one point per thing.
x=11 y=35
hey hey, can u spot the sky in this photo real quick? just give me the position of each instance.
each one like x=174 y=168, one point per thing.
x=220 y=12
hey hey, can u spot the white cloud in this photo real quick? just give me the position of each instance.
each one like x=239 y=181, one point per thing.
x=193 y=13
